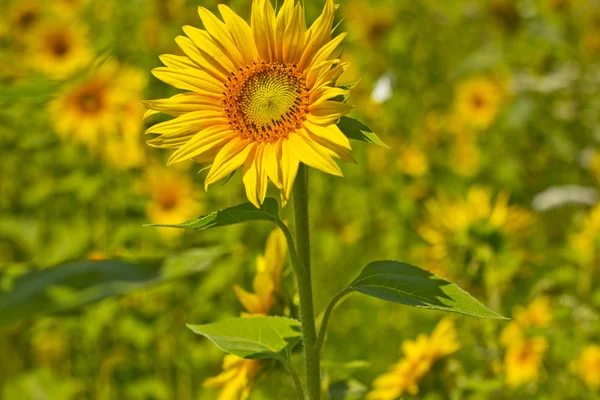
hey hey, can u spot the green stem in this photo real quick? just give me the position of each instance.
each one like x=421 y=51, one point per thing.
x=328 y=310
x=294 y=375
x=307 y=316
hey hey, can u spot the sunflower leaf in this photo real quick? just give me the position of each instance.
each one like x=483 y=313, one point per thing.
x=253 y=338
x=269 y=211
x=354 y=129
x=67 y=287
x=406 y=284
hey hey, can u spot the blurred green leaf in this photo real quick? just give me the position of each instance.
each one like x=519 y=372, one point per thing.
x=406 y=284
x=347 y=390
x=253 y=338
x=30 y=89
x=269 y=211
x=66 y=287
x=354 y=129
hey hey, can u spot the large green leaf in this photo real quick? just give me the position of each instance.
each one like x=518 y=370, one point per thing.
x=254 y=338
x=354 y=129
x=269 y=211
x=66 y=287
x=407 y=284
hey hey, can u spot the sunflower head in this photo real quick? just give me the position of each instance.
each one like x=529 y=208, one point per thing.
x=172 y=197
x=103 y=112
x=478 y=101
x=261 y=96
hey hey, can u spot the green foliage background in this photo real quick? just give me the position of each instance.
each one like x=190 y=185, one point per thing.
x=59 y=202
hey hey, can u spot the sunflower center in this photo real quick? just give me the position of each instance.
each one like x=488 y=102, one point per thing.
x=27 y=19
x=168 y=199
x=90 y=99
x=59 y=45
x=266 y=101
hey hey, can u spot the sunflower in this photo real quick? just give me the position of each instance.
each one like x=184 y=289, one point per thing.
x=172 y=197
x=59 y=49
x=523 y=359
x=478 y=101
x=257 y=96
x=419 y=357
x=238 y=374
x=24 y=17
x=102 y=113
x=267 y=279
x=587 y=366
x=472 y=232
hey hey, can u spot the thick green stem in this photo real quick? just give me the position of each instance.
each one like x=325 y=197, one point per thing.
x=307 y=315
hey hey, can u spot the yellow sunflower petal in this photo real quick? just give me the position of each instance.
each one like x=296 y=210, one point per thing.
x=199 y=59
x=289 y=169
x=318 y=34
x=330 y=133
x=306 y=151
x=263 y=28
x=241 y=33
x=176 y=62
x=202 y=142
x=230 y=158
x=221 y=35
x=212 y=53
x=190 y=79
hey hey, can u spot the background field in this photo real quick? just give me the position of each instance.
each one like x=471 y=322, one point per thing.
x=491 y=109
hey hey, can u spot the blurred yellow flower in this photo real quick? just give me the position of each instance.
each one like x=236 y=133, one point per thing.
x=172 y=198
x=267 y=279
x=24 y=16
x=465 y=155
x=587 y=366
x=523 y=359
x=257 y=97
x=69 y=7
x=102 y=113
x=477 y=101
x=470 y=231
x=49 y=345
x=413 y=161
x=238 y=373
x=236 y=378
x=537 y=314
x=370 y=21
x=59 y=49
x=419 y=357
x=584 y=242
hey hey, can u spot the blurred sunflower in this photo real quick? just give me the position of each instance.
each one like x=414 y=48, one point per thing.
x=257 y=96
x=419 y=357
x=102 y=113
x=524 y=354
x=59 y=49
x=236 y=378
x=369 y=21
x=69 y=7
x=537 y=314
x=267 y=279
x=172 y=197
x=413 y=160
x=471 y=232
x=24 y=16
x=523 y=359
x=238 y=373
x=584 y=246
x=477 y=102
x=587 y=366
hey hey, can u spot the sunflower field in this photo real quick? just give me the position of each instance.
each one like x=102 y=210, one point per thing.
x=458 y=136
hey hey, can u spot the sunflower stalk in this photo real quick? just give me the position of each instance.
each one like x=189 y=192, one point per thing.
x=307 y=316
